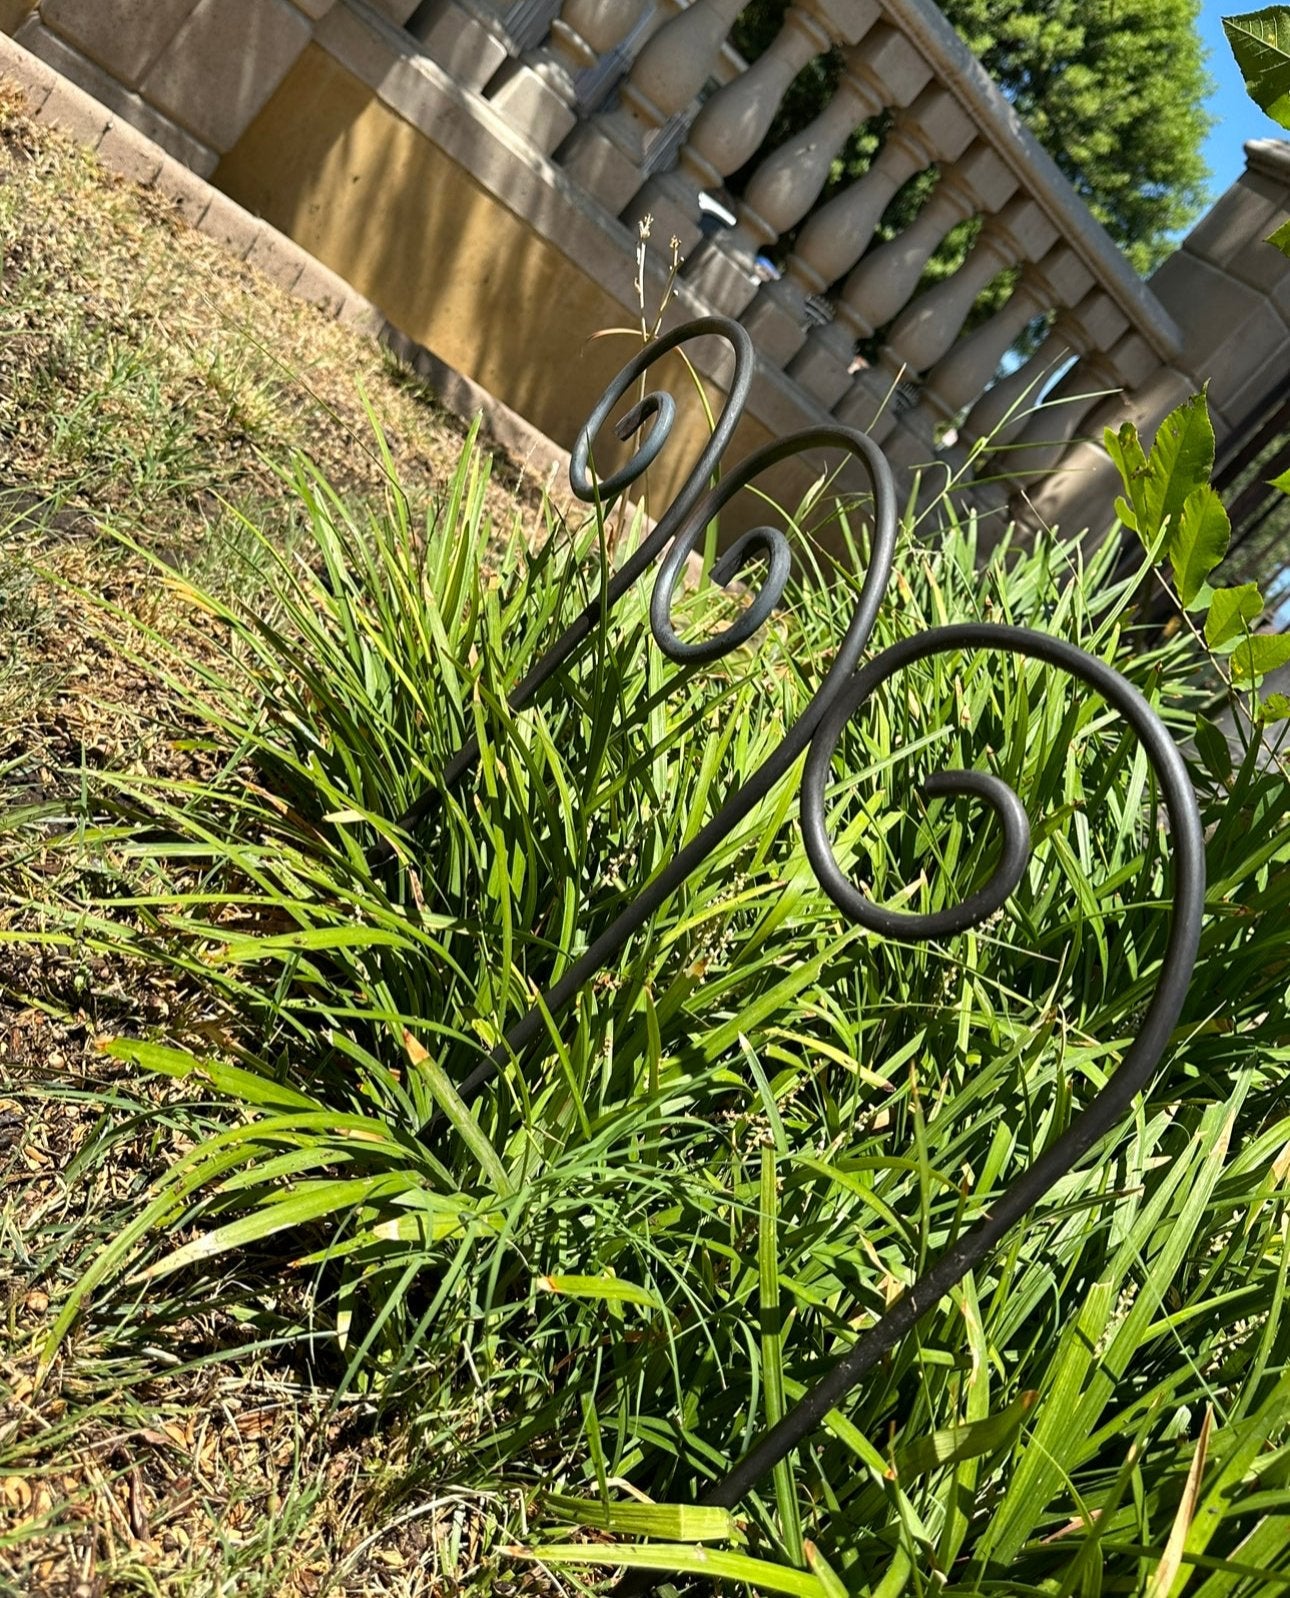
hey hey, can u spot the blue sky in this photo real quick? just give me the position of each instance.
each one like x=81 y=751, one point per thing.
x=1238 y=118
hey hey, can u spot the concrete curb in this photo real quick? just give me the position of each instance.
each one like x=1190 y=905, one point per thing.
x=55 y=102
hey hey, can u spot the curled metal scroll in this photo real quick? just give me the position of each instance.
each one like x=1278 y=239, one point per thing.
x=842 y=693
x=660 y=410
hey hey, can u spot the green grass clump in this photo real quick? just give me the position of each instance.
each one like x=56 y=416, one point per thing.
x=641 y=1244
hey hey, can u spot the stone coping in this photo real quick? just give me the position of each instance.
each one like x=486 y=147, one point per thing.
x=55 y=101
x=1269 y=156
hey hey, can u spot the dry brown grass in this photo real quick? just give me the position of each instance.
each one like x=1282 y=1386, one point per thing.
x=149 y=383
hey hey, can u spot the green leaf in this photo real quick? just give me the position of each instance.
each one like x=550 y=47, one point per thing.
x=248 y=1086
x=1125 y=449
x=1260 y=654
x=1230 y=610
x=682 y=1559
x=953 y=1443
x=1282 y=482
x=772 y=1346
x=1213 y=749
x=1237 y=1447
x=326 y=1199
x=1276 y=707
x=1280 y=237
x=458 y=1112
x=831 y=1582
x=1199 y=542
x=688 y=1523
x=1181 y=461
x=609 y=1288
x=1260 y=41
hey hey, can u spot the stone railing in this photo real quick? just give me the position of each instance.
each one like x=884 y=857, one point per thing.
x=840 y=286
x=480 y=168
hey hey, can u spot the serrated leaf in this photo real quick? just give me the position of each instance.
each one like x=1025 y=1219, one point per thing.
x=1260 y=41
x=1125 y=449
x=1180 y=463
x=1256 y=656
x=1231 y=611
x=1126 y=513
x=1280 y=237
x=1199 y=541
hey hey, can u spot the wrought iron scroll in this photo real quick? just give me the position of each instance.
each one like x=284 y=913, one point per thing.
x=842 y=693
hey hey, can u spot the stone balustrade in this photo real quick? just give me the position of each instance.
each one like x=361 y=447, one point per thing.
x=561 y=124
x=679 y=127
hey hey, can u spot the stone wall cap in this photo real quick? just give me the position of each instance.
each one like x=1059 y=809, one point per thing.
x=1036 y=171
x=1270 y=157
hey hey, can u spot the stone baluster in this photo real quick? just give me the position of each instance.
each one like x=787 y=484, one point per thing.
x=1043 y=440
x=1003 y=411
x=735 y=120
x=538 y=95
x=883 y=69
x=729 y=127
x=933 y=128
x=587 y=29
x=1058 y=280
x=884 y=280
x=608 y=153
x=928 y=327
x=1089 y=405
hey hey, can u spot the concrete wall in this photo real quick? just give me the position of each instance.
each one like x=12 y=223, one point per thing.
x=422 y=197
x=1229 y=292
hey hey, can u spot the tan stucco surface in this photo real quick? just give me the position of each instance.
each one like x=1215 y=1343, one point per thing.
x=376 y=200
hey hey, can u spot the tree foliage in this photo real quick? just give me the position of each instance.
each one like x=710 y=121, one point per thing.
x=1113 y=89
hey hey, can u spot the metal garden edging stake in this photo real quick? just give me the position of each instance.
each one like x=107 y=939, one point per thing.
x=844 y=690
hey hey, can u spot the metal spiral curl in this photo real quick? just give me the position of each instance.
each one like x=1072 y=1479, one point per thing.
x=843 y=692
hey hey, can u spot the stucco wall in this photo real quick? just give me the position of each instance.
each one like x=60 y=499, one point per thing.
x=371 y=196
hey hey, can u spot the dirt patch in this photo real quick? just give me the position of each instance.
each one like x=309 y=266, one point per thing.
x=152 y=390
